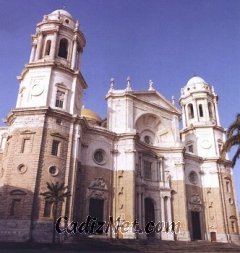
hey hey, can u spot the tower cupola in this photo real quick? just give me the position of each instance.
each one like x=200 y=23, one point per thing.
x=59 y=40
x=199 y=103
x=52 y=78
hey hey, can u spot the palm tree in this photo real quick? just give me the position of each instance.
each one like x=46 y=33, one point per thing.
x=55 y=194
x=233 y=139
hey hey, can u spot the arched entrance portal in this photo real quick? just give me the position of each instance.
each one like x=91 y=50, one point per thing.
x=149 y=215
x=196 y=226
x=96 y=207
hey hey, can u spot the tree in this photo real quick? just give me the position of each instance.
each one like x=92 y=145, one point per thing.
x=55 y=194
x=233 y=139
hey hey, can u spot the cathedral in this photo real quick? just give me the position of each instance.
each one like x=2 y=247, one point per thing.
x=135 y=165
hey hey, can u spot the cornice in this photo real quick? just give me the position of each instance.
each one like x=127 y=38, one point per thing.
x=194 y=127
x=192 y=157
x=95 y=129
x=192 y=95
x=146 y=147
x=131 y=95
x=55 y=66
x=48 y=111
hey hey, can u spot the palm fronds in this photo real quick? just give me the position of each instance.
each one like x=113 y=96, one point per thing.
x=233 y=139
x=56 y=192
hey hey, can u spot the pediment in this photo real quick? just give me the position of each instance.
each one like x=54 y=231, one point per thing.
x=17 y=192
x=27 y=132
x=156 y=99
x=58 y=135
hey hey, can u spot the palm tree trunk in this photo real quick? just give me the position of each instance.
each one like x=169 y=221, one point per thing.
x=54 y=221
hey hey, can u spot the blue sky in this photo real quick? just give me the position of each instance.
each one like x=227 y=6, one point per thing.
x=167 y=41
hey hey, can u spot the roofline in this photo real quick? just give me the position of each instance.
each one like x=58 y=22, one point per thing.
x=132 y=94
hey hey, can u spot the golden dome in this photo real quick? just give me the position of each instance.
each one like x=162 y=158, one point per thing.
x=90 y=115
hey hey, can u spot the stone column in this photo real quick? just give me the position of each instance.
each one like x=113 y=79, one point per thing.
x=195 y=109
x=33 y=52
x=143 y=211
x=78 y=59
x=169 y=209
x=206 y=110
x=184 y=116
x=74 y=53
x=139 y=208
x=39 y=47
x=160 y=169
x=54 y=45
x=162 y=209
x=187 y=112
x=216 y=112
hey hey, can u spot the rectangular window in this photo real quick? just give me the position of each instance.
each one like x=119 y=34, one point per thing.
x=147 y=169
x=228 y=186
x=55 y=147
x=190 y=148
x=47 y=209
x=220 y=148
x=15 y=207
x=233 y=226
x=26 y=146
x=60 y=99
x=200 y=110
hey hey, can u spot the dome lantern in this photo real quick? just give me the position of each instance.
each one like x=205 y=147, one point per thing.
x=199 y=103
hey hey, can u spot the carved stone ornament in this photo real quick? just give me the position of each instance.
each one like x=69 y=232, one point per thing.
x=98 y=183
x=96 y=194
x=206 y=144
x=195 y=199
x=195 y=203
x=97 y=189
x=167 y=176
x=37 y=89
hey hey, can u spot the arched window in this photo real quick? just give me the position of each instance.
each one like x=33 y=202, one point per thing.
x=60 y=99
x=63 y=48
x=147 y=168
x=147 y=139
x=190 y=111
x=200 y=110
x=16 y=204
x=210 y=110
x=48 y=47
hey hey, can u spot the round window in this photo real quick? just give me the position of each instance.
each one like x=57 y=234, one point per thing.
x=22 y=168
x=193 y=177
x=147 y=139
x=99 y=156
x=53 y=170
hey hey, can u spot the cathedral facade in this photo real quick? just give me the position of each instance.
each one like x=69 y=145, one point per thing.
x=135 y=165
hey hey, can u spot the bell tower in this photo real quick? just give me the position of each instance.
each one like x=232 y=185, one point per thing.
x=202 y=132
x=208 y=178
x=52 y=77
x=43 y=129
